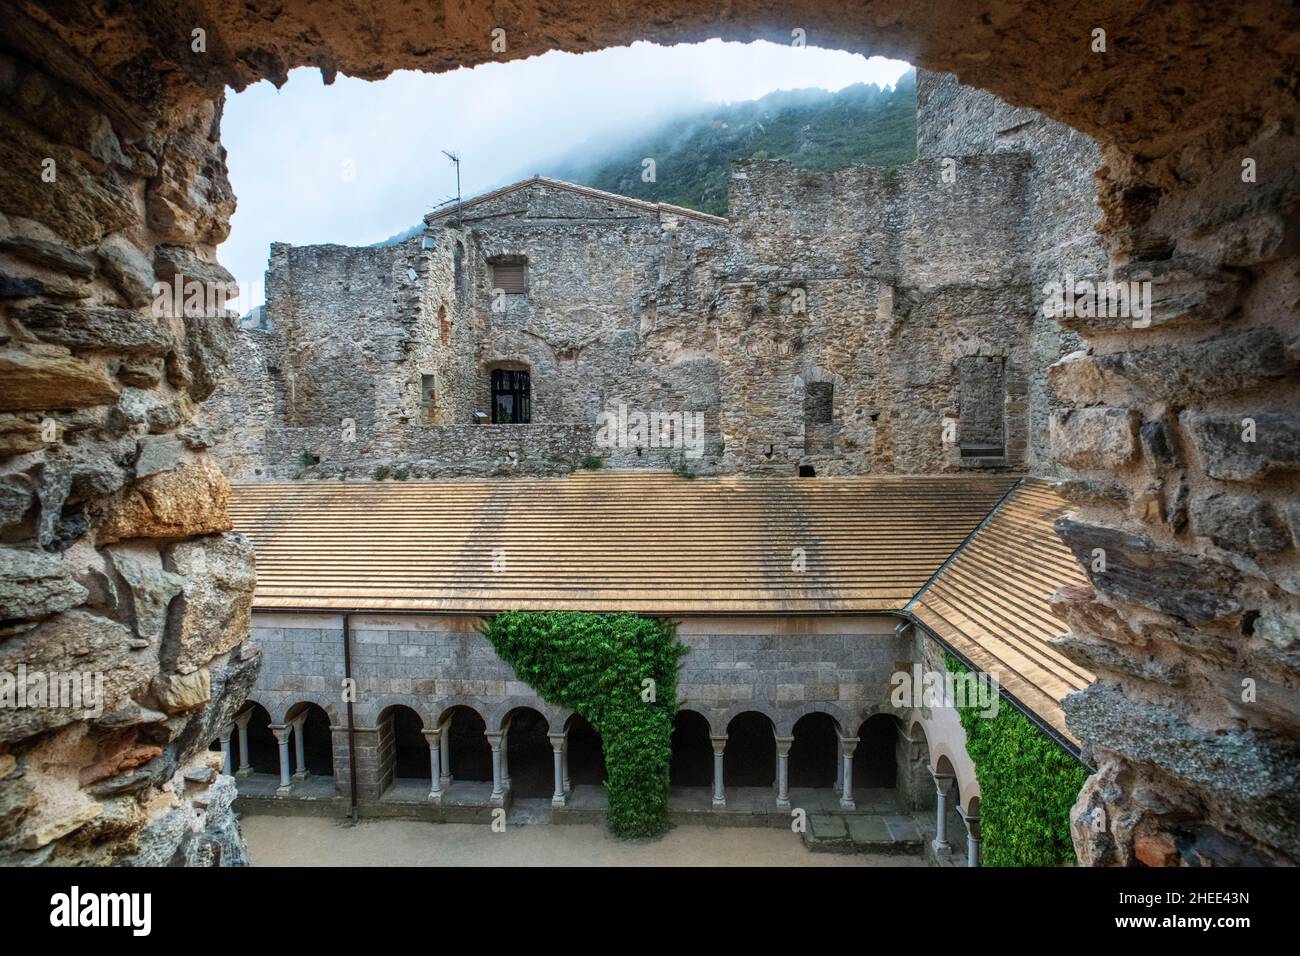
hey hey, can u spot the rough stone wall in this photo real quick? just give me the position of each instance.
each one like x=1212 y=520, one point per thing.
x=1060 y=209
x=116 y=560
x=879 y=282
x=781 y=667
x=1188 y=772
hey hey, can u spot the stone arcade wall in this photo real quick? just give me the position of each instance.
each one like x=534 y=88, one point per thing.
x=781 y=667
x=1198 y=523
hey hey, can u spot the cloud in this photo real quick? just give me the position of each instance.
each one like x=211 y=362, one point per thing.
x=356 y=162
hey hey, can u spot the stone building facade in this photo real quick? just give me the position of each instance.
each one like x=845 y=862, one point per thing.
x=862 y=321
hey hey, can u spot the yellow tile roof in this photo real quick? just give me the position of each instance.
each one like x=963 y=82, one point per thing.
x=991 y=601
x=605 y=541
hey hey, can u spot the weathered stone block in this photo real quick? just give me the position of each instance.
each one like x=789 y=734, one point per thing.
x=1243 y=448
x=1133 y=568
x=106 y=328
x=1094 y=439
x=1239 y=523
x=33 y=380
x=191 y=500
x=35 y=584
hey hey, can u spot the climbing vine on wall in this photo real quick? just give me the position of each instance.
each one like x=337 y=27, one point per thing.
x=1028 y=783
x=620 y=672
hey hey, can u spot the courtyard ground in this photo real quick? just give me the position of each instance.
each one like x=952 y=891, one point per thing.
x=316 y=841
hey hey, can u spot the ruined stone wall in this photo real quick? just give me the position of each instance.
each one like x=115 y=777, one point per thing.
x=116 y=561
x=1060 y=210
x=878 y=282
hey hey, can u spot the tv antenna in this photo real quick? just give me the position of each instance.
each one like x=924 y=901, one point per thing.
x=455 y=161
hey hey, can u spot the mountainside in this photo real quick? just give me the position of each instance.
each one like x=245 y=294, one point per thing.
x=812 y=129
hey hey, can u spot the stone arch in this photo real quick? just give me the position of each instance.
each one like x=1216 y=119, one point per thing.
x=498 y=713
x=960 y=767
x=292 y=710
x=420 y=705
x=528 y=752
x=402 y=749
x=814 y=758
x=444 y=707
x=314 y=723
x=785 y=718
x=771 y=711
x=691 y=762
x=749 y=759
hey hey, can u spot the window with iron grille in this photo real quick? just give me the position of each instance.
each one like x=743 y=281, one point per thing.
x=510 y=399
x=509 y=277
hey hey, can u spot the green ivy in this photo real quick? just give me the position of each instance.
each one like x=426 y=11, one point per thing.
x=1028 y=783
x=597 y=664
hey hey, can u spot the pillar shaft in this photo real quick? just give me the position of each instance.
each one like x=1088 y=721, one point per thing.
x=942 y=786
x=245 y=762
x=719 y=785
x=227 y=766
x=434 y=739
x=847 y=746
x=557 y=755
x=498 y=779
x=783 y=771
x=282 y=732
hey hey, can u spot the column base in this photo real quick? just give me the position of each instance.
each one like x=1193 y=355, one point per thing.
x=940 y=847
x=497 y=799
x=284 y=790
x=301 y=774
x=847 y=804
x=782 y=804
x=444 y=780
x=558 y=802
x=435 y=797
x=243 y=772
x=719 y=804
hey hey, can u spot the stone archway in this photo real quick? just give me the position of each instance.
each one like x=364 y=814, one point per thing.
x=1161 y=473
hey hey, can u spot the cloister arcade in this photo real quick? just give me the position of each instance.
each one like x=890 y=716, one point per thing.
x=468 y=753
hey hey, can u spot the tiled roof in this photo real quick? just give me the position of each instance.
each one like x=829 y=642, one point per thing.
x=600 y=194
x=990 y=602
x=605 y=541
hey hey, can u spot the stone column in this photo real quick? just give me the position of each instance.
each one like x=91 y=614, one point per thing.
x=299 y=750
x=498 y=783
x=245 y=762
x=973 y=833
x=282 y=732
x=227 y=766
x=505 y=757
x=942 y=785
x=445 y=747
x=564 y=759
x=434 y=737
x=557 y=752
x=719 y=788
x=847 y=746
x=839 y=764
x=783 y=772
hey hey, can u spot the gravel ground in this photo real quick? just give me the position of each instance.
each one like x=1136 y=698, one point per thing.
x=313 y=841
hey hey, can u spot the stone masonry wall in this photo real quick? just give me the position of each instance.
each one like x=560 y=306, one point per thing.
x=781 y=667
x=116 y=559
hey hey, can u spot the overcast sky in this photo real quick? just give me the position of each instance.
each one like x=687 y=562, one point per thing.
x=356 y=162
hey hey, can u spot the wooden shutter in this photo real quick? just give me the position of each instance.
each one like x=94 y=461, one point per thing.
x=509 y=277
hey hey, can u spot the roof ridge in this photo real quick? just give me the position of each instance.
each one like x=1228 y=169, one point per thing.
x=907 y=608
x=592 y=191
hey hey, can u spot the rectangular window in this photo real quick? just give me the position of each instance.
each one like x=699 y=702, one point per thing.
x=511 y=402
x=509 y=277
x=982 y=406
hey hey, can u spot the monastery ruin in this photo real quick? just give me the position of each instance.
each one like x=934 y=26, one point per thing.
x=885 y=450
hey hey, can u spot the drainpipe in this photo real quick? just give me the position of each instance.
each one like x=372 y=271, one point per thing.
x=352 y=728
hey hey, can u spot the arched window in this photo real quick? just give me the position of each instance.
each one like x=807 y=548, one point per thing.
x=511 y=403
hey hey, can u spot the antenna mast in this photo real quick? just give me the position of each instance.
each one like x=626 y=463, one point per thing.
x=455 y=160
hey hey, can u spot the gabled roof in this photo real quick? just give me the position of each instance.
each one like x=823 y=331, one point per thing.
x=599 y=194
x=990 y=602
x=607 y=541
